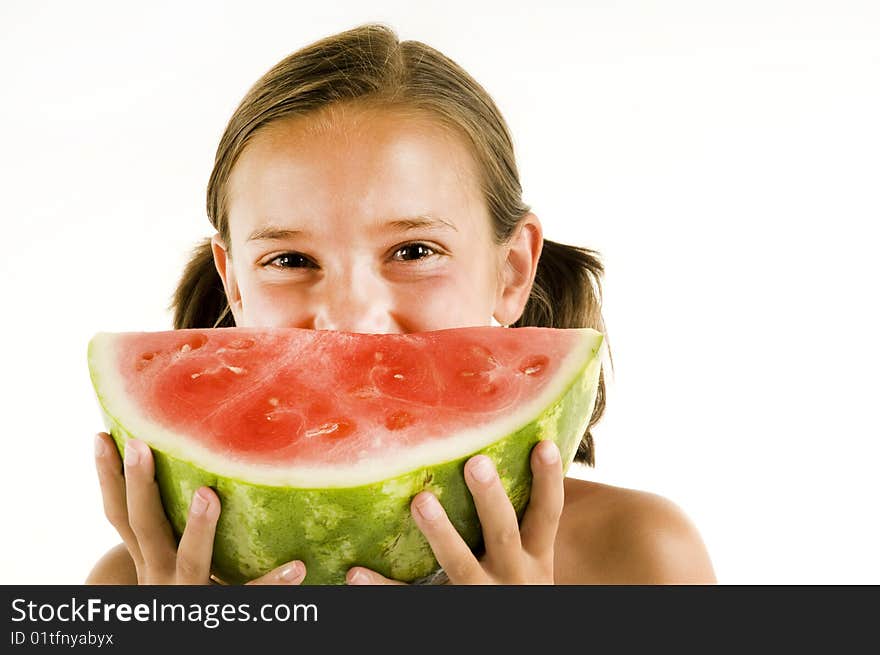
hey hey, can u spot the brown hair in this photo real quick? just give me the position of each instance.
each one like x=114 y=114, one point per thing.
x=368 y=64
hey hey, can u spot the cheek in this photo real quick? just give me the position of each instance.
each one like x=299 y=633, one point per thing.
x=444 y=302
x=271 y=305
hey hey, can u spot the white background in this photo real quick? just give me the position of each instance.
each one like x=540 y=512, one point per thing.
x=724 y=158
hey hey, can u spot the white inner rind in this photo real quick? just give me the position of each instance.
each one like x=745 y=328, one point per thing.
x=110 y=387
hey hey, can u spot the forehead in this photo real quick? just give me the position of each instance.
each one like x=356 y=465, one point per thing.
x=354 y=163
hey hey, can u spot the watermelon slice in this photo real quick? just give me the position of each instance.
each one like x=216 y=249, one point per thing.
x=317 y=441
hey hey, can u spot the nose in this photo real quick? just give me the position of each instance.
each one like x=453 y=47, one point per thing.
x=355 y=300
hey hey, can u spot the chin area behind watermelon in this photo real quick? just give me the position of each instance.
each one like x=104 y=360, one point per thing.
x=317 y=441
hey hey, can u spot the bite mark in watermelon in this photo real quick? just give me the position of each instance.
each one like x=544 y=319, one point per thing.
x=317 y=441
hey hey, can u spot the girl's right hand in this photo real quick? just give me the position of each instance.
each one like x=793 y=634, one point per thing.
x=133 y=506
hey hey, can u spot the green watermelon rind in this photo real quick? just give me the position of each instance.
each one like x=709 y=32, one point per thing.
x=332 y=529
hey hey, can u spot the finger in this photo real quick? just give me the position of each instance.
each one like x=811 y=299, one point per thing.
x=113 y=493
x=361 y=576
x=497 y=517
x=145 y=513
x=449 y=548
x=541 y=520
x=291 y=573
x=197 y=543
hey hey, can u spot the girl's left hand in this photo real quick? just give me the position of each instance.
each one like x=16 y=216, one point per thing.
x=513 y=555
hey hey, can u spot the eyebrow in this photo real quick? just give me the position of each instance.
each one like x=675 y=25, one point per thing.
x=275 y=233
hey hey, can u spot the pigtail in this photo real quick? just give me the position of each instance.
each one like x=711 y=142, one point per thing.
x=567 y=293
x=200 y=300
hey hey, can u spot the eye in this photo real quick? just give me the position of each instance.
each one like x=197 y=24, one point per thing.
x=413 y=251
x=290 y=260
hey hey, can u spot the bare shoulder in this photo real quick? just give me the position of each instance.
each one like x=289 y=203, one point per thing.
x=115 y=567
x=614 y=535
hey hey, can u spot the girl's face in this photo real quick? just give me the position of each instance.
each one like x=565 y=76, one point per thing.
x=367 y=220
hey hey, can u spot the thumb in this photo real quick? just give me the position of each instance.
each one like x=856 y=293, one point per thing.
x=362 y=576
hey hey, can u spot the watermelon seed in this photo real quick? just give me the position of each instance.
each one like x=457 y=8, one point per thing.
x=193 y=343
x=466 y=374
x=484 y=353
x=273 y=402
x=144 y=361
x=364 y=392
x=533 y=365
x=327 y=428
x=398 y=376
x=235 y=369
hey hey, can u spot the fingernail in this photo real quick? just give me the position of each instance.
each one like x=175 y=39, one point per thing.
x=429 y=507
x=291 y=573
x=549 y=454
x=132 y=456
x=199 y=504
x=482 y=469
x=100 y=448
x=358 y=577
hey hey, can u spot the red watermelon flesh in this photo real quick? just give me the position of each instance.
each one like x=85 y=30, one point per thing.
x=285 y=397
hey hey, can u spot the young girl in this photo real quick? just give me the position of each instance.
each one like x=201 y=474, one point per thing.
x=369 y=185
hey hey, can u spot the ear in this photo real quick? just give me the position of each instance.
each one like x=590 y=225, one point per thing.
x=223 y=263
x=517 y=271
